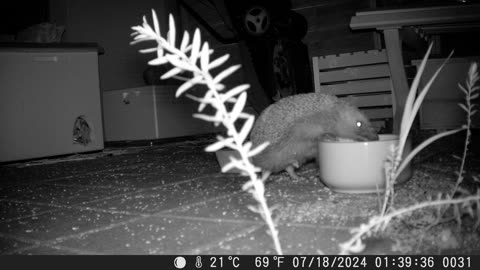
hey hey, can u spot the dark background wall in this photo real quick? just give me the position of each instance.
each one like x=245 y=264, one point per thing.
x=19 y=14
x=328 y=26
x=108 y=23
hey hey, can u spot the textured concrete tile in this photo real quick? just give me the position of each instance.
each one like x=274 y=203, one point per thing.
x=171 y=196
x=60 y=223
x=176 y=162
x=308 y=201
x=61 y=195
x=11 y=190
x=233 y=207
x=312 y=240
x=12 y=174
x=117 y=180
x=154 y=235
x=13 y=210
x=59 y=167
x=8 y=244
x=294 y=240
x=45 y=250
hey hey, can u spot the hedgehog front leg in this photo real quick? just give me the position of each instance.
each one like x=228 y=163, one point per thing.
x=265 y=175
x=291 y=171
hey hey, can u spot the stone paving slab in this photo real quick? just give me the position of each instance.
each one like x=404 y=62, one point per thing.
x=154 y=235
x=60 y=194
x=169 y=196
x=55 y=225
x=172 y=199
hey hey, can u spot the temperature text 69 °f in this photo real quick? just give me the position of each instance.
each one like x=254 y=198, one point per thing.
x=266 y=262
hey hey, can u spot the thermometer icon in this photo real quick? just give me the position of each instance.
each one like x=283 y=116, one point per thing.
x=198 y=262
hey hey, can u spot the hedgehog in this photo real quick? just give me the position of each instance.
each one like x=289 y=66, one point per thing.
x=294 y=125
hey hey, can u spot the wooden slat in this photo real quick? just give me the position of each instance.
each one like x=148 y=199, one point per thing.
x=399 y=78
x=378 y=113
x=351 y=59
x=377 y=125
x=316 y=76
x=355 y=73
x=357 y=87
x=369 y=100
x=396 y=18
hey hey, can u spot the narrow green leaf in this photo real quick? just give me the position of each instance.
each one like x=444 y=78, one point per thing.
x=231 y=100
x=258 y=149
x=407 y=116
x=187 y=85
x=234 y=163
x=171 y=31
x=247 y=126
x=238 y=107
x=160 y=51
x=463 y=107
x=185 y=40
x=247 y=146
x=222 y=75
x=155 y=22
x=147 y=29
x=219 y=61
x=208 y=96
x=423 y=93
x=195 y=46
x=416 y=80
x=234 y=92
x=463 y=89
x=218 y=145
x=206 y=117
x=204 y=57
x=158 y=61
x=150 y=50
x=194 y=98
x=175 y=61
x=172 y=72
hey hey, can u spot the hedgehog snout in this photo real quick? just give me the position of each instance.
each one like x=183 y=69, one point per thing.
x=367 y=134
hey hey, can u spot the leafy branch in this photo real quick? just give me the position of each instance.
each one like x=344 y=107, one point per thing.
x=184 y=59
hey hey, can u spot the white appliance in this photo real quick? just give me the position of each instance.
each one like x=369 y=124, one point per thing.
x=44 y=93
x=440 y=109
x=151 y=112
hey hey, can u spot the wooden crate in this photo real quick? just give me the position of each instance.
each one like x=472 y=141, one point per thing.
x=361 y=78
x=440 y=109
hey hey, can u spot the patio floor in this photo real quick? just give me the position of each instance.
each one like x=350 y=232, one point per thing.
x=170 y=198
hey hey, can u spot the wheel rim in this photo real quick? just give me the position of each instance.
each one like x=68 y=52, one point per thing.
x=257 y=20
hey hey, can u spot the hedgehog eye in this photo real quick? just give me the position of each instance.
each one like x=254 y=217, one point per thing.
x=359 y=124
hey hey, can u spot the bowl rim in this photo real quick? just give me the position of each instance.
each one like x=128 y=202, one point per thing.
x=387 y=138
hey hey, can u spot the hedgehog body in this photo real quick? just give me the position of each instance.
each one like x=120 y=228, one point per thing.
x=294 y=125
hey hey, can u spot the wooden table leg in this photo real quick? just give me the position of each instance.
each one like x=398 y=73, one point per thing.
x=393 y=45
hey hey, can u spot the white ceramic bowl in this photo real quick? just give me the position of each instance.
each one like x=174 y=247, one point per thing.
x=357 y=167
